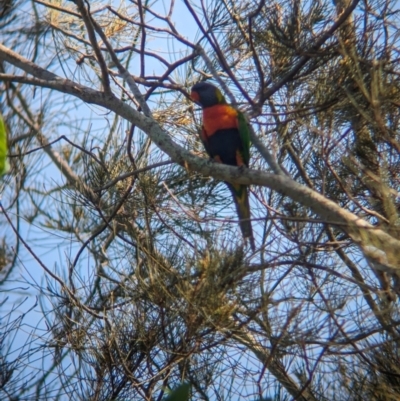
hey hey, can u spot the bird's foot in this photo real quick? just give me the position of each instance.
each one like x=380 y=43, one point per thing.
x=216 y=159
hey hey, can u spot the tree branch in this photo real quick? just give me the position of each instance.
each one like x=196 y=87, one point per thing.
x=376 y=244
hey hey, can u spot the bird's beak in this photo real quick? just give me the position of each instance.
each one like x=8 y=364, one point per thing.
x=195 y=97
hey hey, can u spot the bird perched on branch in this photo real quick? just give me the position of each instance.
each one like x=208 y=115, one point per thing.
x=226 y=138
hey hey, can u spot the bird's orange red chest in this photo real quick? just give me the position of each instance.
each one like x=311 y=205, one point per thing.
x=219 y=117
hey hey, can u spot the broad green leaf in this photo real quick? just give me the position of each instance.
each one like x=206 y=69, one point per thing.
x=181 y=393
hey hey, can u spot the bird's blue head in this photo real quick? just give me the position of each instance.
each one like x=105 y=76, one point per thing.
x=206 y=95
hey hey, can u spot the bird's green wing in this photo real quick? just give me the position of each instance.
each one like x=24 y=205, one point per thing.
x=4 y=166
x=244 y=131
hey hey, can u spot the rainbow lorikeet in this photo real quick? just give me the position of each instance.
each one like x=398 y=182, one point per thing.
x=226 y=138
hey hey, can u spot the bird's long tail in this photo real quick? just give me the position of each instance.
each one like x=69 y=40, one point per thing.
x=241 y=198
